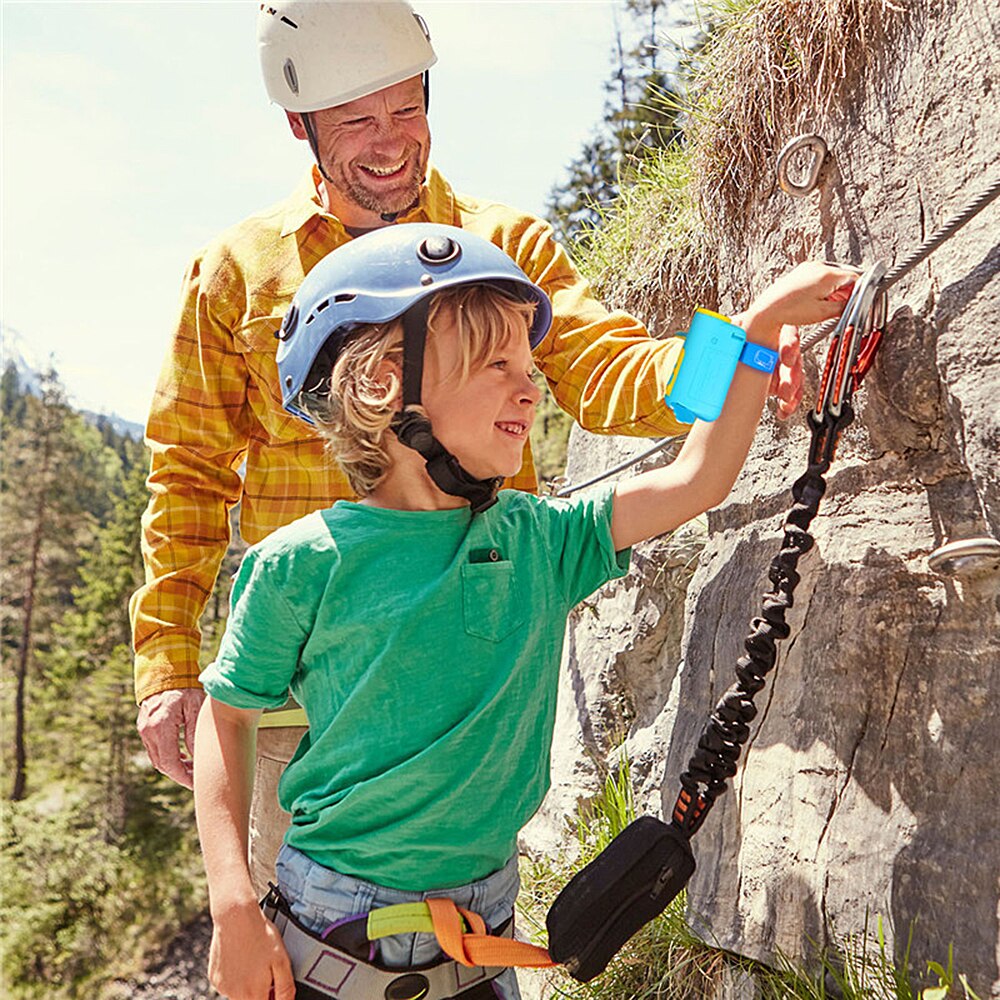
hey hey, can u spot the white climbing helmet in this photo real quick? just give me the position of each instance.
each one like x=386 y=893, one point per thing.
x=317 y=54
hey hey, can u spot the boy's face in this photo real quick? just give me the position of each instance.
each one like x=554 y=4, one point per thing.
x=483 y=419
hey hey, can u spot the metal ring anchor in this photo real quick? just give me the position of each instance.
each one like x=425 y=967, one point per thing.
x=819 y=149
x=965 y=557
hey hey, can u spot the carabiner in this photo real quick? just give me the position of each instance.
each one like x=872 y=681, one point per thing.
x=855 y=340
x=871 y=344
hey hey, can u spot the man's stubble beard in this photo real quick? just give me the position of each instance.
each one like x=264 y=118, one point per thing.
x=374 y=201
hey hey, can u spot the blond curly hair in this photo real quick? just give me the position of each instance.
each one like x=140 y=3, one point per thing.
x=364 y=392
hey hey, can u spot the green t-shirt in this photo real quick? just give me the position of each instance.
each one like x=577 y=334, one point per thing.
x=424 y=647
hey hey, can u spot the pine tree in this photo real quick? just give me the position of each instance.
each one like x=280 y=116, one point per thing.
x=113 y=840
x=640 y=115
x=11 y=395
x=88 y=669
x=46 y=513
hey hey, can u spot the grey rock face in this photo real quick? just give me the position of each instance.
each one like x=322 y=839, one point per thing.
x=869 y=788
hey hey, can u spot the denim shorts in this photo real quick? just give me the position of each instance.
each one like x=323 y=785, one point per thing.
x=320 y=897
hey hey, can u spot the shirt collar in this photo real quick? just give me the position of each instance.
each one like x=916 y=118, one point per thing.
x=437 y=202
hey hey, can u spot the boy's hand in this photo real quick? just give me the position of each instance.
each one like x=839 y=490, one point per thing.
x=247 y=959
x=810 y=293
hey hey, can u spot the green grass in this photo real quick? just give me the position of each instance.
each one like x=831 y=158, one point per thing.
x=764 y=71
x=667 y=961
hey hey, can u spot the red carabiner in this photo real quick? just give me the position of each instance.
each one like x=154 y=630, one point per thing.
x=866 y=356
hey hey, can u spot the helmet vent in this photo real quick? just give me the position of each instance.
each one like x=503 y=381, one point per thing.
x=288 y=324
x=285 y=20
x=439 y=250
x=322 y=305
x=291 y=77
x=325 y=304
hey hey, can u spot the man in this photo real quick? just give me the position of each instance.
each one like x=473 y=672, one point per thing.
x=352 y=78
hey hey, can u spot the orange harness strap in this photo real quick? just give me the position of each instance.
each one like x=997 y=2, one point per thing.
x=480 y=948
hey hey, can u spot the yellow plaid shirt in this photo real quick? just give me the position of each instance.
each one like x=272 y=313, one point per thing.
x=217 y=403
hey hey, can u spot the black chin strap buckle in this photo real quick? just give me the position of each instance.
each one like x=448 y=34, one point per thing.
x=414 y=431
x=449 y=476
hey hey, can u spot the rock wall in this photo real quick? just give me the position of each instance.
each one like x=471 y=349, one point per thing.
x=869 y=788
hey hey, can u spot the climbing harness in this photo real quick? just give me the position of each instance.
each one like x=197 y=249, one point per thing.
x=609 y=884
x=341 y=961
x=812 y=143
x=856 y=340
x=650 y=862
x=647 y=865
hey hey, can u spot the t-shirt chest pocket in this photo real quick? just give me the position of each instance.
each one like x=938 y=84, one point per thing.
x=492 y=602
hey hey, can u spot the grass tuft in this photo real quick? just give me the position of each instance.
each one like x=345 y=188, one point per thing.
x=769 y=70
x=765 y=71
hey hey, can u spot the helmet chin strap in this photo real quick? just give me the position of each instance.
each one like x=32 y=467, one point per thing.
x=414 y=429
x=307 y=124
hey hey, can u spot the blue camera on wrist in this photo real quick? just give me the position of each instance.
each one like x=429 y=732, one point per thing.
x=713 y=347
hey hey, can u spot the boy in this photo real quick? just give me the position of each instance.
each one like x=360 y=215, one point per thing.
x=421 y=627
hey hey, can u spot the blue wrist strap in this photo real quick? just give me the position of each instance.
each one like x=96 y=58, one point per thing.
x=761 y=358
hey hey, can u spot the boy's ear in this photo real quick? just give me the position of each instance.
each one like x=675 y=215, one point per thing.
x=390 y=376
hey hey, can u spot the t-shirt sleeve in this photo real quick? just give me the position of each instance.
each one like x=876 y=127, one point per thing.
x=260 y=649
x=580 y=545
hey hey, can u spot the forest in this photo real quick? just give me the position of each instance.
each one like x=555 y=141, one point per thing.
x=99 y=856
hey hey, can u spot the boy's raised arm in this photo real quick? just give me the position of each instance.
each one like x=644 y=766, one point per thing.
x=704 y=472
x=247 y=955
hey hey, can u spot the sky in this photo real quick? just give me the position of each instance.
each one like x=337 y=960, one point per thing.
x=134 y=132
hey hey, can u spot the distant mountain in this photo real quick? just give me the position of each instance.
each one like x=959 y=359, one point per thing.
x=16 y=350
x=127 y=428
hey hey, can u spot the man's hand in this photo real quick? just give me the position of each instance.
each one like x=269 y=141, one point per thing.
x=787 y=381
x=166 y=724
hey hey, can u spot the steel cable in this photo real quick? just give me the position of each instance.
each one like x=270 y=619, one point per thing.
x=922 y=252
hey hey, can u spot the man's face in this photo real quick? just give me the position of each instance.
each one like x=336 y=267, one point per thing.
x=375 y=151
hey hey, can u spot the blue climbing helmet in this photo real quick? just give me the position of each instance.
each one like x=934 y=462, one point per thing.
x=378 y=277
x=381 y=276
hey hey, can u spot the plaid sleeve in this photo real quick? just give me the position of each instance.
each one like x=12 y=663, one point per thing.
x=603 y=367
x=196 y=432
